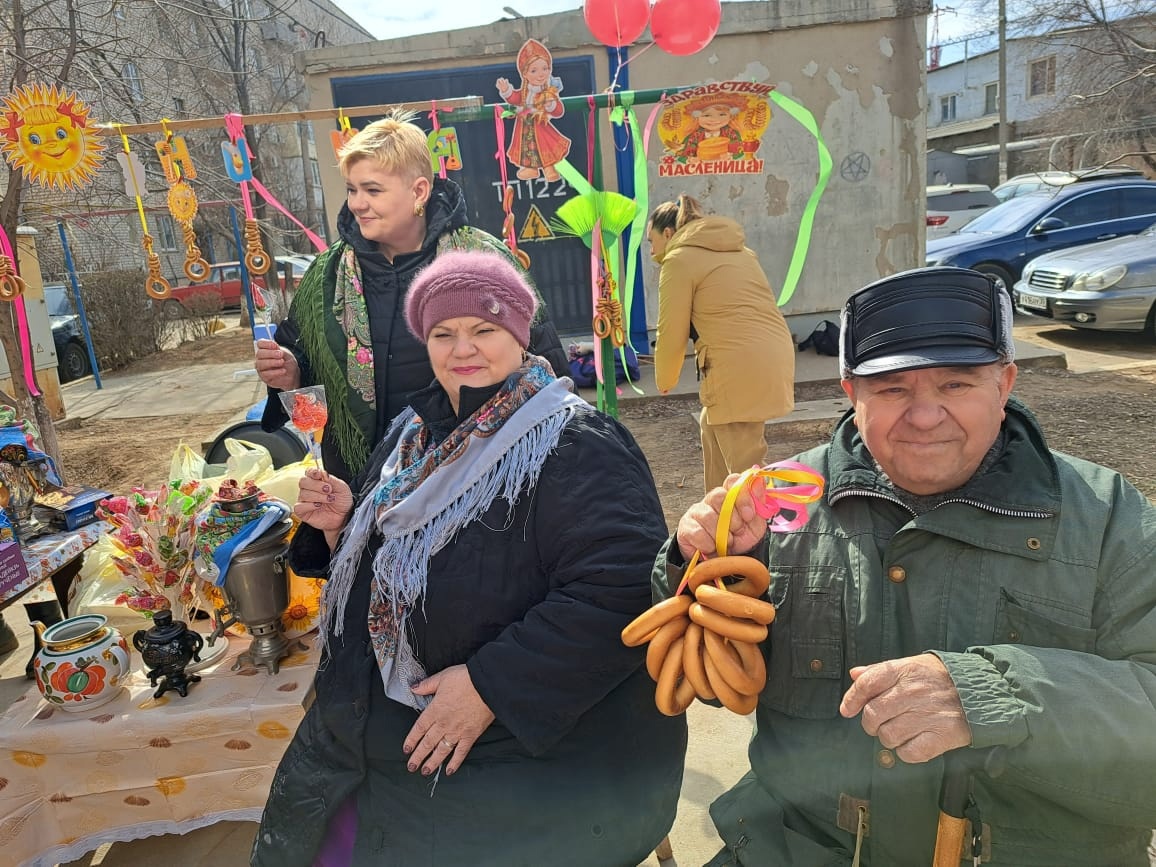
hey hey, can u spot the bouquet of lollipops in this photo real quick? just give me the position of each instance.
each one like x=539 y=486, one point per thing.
x=153 y=535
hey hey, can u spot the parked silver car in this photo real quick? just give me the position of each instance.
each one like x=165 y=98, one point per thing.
x=950 y=207
x=1108 y=285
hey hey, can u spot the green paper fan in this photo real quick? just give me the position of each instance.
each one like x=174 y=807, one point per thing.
x=578 y=215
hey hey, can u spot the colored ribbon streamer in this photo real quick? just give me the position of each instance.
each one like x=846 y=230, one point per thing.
x=272 y=200
x=500 y=156
x=21 y=322
x=806 y=224
x=638 y=226
x=804 y=486
x=433 y=116
x=596 y=270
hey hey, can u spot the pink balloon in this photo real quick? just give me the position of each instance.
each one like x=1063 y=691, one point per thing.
x=616 y=22
x=684 y=26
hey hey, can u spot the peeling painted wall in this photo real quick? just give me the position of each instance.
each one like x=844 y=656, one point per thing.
x=856 y=65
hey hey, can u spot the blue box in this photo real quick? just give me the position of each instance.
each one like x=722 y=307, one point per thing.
x=71 y=506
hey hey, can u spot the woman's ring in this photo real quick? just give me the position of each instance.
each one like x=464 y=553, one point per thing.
x=447 y=744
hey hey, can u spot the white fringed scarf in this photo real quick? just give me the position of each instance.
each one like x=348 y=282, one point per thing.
x=495 y=464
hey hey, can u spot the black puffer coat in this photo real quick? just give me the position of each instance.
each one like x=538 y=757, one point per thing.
x=401 y=362
x=579 y=769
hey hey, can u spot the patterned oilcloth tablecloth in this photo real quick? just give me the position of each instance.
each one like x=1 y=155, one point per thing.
x=45 y=554
x=140 y=766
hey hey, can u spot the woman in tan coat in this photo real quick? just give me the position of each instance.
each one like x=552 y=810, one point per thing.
x=712 y=289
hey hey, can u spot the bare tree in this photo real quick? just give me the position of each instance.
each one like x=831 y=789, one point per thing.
x=1106 y=77
x=26 y=55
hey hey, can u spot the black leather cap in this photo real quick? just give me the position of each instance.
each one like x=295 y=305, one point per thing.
x=927 y=317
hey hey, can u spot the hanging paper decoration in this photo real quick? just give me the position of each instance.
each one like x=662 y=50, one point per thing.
x=616 y=22
x=536 y=146
x=443 y=145
x=684 y=27
x=156 y=286
x=339 y=137
x=598 y=218
x=715 y=129
x=239 y=167
x=44 y=132
x=182 y=199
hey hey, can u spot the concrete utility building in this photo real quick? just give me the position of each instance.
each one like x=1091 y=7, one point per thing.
x=857 y=67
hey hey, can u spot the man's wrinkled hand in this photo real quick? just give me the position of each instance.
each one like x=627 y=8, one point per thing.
x=696 y=529
x=911 y=705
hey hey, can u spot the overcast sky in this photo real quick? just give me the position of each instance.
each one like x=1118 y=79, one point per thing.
x=387 y=19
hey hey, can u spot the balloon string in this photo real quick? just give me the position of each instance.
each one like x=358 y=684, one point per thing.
x=622 y=64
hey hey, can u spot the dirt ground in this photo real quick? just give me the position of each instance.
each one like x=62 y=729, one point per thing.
x=1103 y=417
x=116 y=454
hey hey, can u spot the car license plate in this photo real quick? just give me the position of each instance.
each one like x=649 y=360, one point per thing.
x=1033 y=301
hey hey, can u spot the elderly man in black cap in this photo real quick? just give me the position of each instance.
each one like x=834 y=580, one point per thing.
x=961 y=594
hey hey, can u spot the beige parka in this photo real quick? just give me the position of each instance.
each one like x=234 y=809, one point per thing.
x=744 y=351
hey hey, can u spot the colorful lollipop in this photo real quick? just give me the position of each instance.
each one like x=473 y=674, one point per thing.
x=308 y=412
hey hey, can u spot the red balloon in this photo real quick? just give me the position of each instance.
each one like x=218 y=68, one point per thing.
x=684 y=26
x=616 y=22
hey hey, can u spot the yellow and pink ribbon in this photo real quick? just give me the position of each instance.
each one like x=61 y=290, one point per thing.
x=783 y=507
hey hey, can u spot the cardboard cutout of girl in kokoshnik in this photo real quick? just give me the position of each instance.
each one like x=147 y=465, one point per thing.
x=536 y=145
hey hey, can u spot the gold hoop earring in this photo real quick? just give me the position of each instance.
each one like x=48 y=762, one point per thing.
x=419 y=209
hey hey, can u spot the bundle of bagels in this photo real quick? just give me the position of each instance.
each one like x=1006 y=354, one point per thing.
x=705 y=642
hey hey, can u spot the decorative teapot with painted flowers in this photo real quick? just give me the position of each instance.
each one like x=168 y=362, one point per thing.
x=83 y=663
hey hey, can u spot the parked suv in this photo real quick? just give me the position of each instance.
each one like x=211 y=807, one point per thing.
x=950 y=207
x=71 y=355
x=1003 y=240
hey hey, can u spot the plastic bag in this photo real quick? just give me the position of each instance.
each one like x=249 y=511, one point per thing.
x=186 y=464
x=247 y=461
x=98 y=587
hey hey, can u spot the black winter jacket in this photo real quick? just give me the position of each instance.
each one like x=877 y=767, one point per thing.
x=579 y=769
x=401 y=361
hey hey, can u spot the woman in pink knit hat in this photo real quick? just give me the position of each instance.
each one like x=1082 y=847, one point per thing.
x=475 y=704
x=344 y=328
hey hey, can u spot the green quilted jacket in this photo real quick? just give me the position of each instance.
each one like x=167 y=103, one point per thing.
x=1037 y=589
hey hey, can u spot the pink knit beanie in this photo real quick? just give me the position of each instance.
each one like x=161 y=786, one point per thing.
x=471 y=283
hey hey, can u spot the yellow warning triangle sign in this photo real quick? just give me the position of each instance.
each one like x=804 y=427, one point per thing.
x=535 y=228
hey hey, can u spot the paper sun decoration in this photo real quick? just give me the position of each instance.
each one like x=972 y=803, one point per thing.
x=44 y=132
